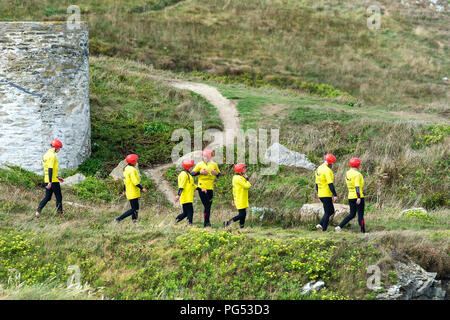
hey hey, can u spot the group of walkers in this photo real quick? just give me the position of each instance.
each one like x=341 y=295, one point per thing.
x=207 y=171
x=327 y=193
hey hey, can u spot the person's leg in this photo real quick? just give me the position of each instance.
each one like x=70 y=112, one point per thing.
x=135 y=206
x=242 y=213
x=235 y=218
x=189 y=212
x=206 y=199
x=210 y=195
x=182 y=215
x=58 y=195
x=47 y=198
x=361 y=221
x=328 y=212
x=127 y=213
x=351 y=215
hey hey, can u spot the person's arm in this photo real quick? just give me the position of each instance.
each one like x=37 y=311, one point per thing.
x=333 y=190
x=357 y=185
x=217 y=170
x=330 y=182
x=244 y=183
x=358 y=191
x=181 y=183
x=195 y=171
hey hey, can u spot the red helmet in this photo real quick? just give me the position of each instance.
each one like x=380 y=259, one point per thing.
x=188 y=163
x=56 y=144
x=238 y=167
x=207 y=153
x=329 y=158
x=355 y=162
x=131 y=159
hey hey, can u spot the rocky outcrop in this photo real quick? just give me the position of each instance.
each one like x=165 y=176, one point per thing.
x=281 y=155
x=72 y=180
x=313 y=212
x=414 y=283
x=312 y=286
x=117 y=172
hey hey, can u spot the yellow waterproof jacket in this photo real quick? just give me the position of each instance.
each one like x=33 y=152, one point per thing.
x=354 y=179
x=324 y=176
x=206 y=182
x=50 y=160
x=132 y=179
x=240 y=191
x=186 y=182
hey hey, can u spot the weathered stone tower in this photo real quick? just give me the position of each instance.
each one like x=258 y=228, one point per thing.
x=44 y=93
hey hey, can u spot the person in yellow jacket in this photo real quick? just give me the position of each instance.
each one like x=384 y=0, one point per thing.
x=325 y=189
x=133 y=188
x=355 y=184
x=186 y=188
x=241 y=185
x=207 y=171
x=51 y=180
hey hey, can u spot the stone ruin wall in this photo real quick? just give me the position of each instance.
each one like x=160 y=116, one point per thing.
x=44 y=93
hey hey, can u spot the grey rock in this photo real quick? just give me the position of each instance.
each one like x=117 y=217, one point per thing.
x=117 y=172
x=313 y=212
x=281 y=155
x=72 y=180
x=311 y=286
x=414 y=283
x=265 y=214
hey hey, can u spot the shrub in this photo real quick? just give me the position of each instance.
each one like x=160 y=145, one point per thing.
x=419 y=215
x=435 y=200
x=22 y=261
x=19 y=176
x=90 y=166
x=95 y=189
x=435 y=134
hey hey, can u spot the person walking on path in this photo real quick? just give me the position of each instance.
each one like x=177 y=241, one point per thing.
x=355 y=184
x=325 y=189
x=207 y=172
x=50 y=163
x=241 y=185
x=186 y=188
x=132 y=187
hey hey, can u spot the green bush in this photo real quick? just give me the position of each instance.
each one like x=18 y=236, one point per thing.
x=434 y=135
x=435 y=200
x=94 y=189
x=19 y=176
x=254 y=79
x=23 y=263
x=90 y=166
x=419 y=215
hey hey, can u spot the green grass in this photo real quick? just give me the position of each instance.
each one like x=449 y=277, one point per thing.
x=156 y=259
x=274 y=41
x=132 y=113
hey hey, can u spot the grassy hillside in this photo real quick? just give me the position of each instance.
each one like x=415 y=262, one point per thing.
x=310 y=68
x=327 y=41
x=132 y=113
x=270 y=259
x=156 y=259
